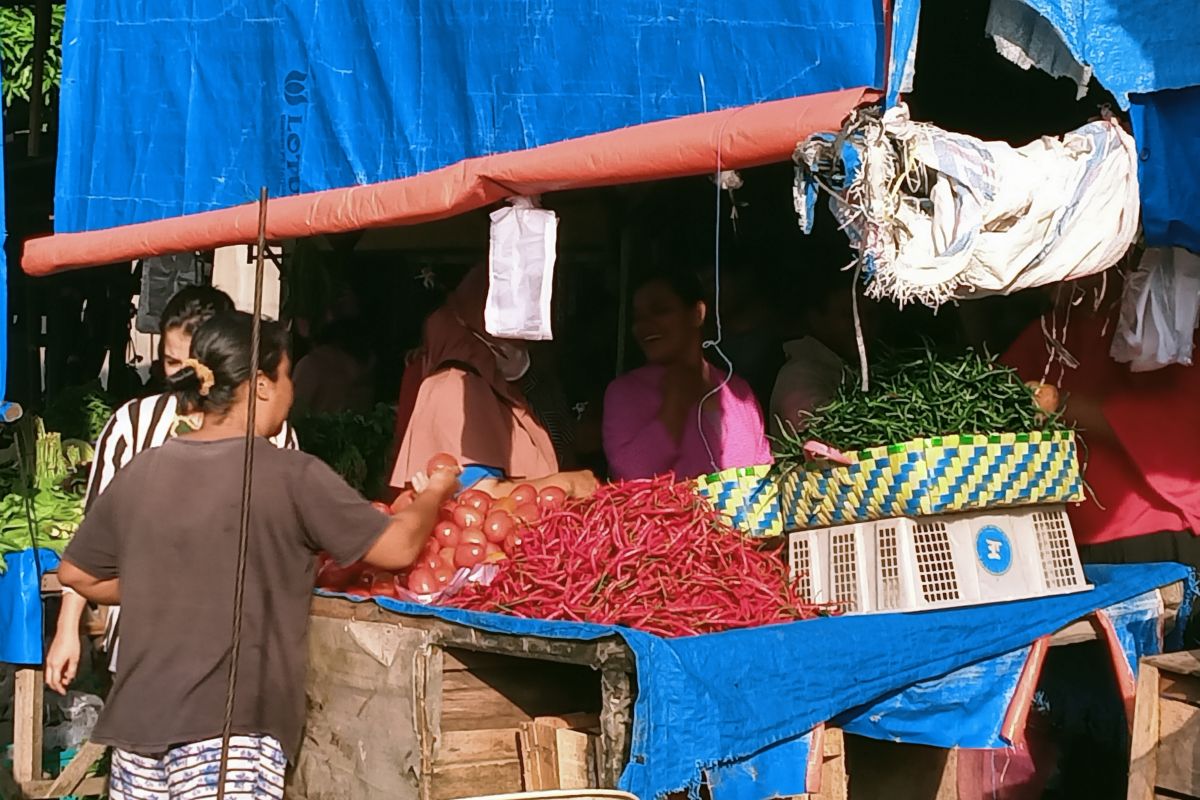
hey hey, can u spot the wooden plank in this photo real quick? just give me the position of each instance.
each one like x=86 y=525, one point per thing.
x=1143 y=751
x=1178 y=735
x=572 y=763
x=538 y=745
x=899 y=771
x=586 y=722
x=74 y=773
x=1185 y=663
x=1182 y=688
x=460 y=747
x=835 y=783
x=473 y=780
x=96 y=786
x=519 y=691
x=617 y=690
x=27 y=725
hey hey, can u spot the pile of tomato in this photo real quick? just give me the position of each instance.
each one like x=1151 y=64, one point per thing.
x=472 y=529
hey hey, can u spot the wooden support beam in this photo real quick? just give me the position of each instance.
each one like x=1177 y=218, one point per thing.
x=27 y=725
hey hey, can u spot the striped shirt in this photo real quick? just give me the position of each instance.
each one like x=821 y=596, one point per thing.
x=141 y=424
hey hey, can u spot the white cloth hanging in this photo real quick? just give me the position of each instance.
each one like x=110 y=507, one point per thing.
x=1159 y=308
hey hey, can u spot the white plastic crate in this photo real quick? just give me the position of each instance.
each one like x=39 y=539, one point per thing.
x=907 y=564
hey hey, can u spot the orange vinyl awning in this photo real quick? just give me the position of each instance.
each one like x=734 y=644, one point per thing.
x=741 y=137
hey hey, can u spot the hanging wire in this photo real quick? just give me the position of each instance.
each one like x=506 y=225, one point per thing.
x=247 y=475
x=715 y=344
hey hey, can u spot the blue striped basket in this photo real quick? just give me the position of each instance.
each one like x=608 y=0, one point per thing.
x=748 y=497
x=938 y=475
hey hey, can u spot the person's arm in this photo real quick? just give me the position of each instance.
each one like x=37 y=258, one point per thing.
x=62 y=659
x=105 y=591
x=401 y=542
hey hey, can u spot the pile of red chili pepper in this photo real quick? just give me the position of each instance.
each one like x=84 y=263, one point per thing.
x=645 y=554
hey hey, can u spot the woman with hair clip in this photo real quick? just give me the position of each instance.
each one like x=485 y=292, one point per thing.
x=170 y=560
x=138 y=425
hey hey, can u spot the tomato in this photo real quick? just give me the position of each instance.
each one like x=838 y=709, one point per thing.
x=422 y=581
x=523 y=494
x=441 y=461
x=551 y=497
x=447 y=509
x=473 y=536
x=335 y=578
x=384 y=585
x=467 y=517
x=428 y=562
x=473 y=498
x=446 y=556
x=527 y=513
x=513 y=542
x=498 y=525
x=432 y=545
x=505 y=504
x=446 y=533
x=403 y=501
x=468 y=555
x=444 y=574
x=382 y=507
x=493 y=552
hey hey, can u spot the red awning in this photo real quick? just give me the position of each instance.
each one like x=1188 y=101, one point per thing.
x=745 y=137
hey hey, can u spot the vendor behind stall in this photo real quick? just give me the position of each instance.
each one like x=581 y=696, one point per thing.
x=170 y=560
x=470 y=406
x=678 y=413
x=1140 y=435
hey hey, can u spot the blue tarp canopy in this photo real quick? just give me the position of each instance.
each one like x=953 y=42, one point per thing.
x=1147 y=53
x=173 y=107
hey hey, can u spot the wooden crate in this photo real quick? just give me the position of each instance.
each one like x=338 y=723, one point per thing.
x=414 y=707
x=1165 y=748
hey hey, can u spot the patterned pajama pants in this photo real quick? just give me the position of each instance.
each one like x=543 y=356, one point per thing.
x=190 y=772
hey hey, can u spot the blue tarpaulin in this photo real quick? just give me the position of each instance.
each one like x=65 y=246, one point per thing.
x=694 y=692
x=1132 y=46
x=1166 y=126
x=21 y=605
x=171 y=107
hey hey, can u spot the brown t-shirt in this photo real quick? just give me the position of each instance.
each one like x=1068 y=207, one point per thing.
x=168 y=528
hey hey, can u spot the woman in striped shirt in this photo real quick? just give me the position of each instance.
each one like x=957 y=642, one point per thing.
x=140 y=424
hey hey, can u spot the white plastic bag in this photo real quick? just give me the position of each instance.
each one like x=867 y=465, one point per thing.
x=1159 y=309
x=80 y=713
x=521 y=271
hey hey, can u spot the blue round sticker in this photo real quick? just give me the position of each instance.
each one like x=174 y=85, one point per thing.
x=994 y=550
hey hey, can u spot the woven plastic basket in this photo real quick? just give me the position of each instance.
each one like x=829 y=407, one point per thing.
x=938 y=475
x=748 y=497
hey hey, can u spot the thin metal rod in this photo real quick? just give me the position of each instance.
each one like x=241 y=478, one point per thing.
x=247 y=475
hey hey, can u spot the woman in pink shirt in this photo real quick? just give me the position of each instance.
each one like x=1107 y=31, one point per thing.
x=678 y=413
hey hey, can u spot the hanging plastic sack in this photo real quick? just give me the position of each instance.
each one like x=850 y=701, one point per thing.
x=1159 y=308
x=21 y=605
x=521 y=271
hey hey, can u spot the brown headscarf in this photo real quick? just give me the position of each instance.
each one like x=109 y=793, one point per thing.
x=465 y=407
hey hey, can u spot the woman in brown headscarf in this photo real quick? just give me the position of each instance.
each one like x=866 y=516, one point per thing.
x=469 y=406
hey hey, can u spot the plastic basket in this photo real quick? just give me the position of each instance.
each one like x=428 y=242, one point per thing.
x=910 y=564
x=748 y=497
x=938 y=475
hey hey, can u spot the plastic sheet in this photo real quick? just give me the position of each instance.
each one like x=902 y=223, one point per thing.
x=1132 y=46
x=1166 y=126
x=202 y=104
x=21 y=605
x=693 y=692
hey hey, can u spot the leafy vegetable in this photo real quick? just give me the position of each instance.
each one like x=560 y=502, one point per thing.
x=57 y=515
x=916 y=394
x=355 y=446
x=16 y=53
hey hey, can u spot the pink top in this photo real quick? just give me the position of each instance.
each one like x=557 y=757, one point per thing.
x=638 y=445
